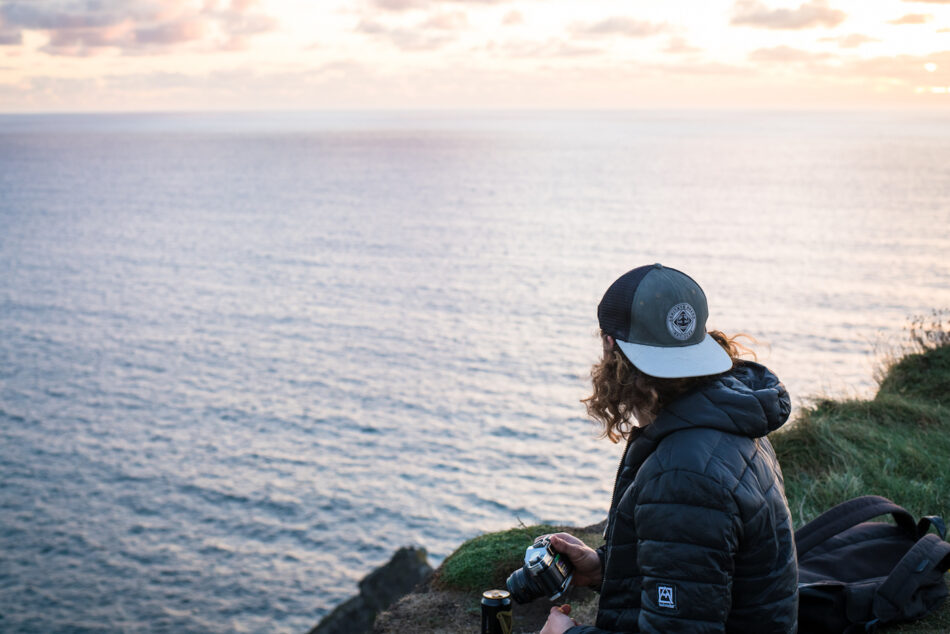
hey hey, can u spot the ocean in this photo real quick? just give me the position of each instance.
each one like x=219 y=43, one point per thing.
x=244 y=357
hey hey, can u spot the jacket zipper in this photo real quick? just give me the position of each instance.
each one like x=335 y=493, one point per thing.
x=611 y=516
x=613 y=497
x=623 y=459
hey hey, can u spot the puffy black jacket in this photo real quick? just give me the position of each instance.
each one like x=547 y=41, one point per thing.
x=699 y=536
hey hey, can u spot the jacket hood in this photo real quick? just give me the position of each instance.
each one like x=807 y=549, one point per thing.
x=748 y=400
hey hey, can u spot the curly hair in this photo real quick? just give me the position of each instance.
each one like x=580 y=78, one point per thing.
x=622 y=392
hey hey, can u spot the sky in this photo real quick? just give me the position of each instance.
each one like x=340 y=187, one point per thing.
x=155 y=55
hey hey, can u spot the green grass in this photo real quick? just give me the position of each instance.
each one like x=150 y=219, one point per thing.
x=896 y=445
x=487 y=560
x=922 y=376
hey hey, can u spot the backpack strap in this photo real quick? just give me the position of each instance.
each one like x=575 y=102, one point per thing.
x=847 y=514
x=932 y=520
x=915 y=569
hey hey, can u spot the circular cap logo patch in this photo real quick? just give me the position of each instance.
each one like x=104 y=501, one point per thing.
x=681 y=321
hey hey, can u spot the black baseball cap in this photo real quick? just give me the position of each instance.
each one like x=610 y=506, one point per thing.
x=658 y=316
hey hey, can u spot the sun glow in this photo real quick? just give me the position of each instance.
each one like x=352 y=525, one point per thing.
x=227 y=54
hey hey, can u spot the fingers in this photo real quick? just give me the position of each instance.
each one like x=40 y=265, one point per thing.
x=558 y=619
x=560 y=545
x=564 y=537
x=564 y=543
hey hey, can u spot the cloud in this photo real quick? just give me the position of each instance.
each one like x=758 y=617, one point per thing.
x=446 y=21
x=786 y=55
x=551 y=48
x=809 y=15
x=86 y=27
x=408 y=5
x=853 y=40
x=9 y=36
x=176 y=32
x=908 y=69
x=697 y=69
x=620 y=25
x=62 y=15
x=513 y=18
x=406 y=38
x=678 y=46
x=912 y=18
x=894 y=71
x=399 y=5
x=430 y=32
x=254 y=88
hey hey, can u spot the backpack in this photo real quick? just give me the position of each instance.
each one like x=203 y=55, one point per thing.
x=854 y=574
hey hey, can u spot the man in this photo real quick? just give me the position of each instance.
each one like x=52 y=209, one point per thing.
x=699 y=536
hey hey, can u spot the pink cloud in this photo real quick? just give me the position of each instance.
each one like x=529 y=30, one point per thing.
x=86 y=27
x=698 y=69
x=905 y=68
x=853 y=40
x=912 y=18
x=406 y=5
x=9 y=36
x=513 y=18
x=448 y=21
x=399 y=5
x=405 y=38
x=679 y=46
x=809 y=15
x=620 y=25
x=786 y=55
x=184 y=30
x=551 y=48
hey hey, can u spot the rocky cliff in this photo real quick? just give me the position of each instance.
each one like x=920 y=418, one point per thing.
x=377 y=591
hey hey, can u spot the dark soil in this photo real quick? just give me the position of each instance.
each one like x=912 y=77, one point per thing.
x=455 y=612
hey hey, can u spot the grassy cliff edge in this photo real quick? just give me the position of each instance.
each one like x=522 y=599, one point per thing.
x=896 y=445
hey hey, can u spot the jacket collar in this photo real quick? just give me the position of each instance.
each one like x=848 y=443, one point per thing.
x=749 y=400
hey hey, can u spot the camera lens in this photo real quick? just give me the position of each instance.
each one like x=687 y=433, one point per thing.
x=523 y=587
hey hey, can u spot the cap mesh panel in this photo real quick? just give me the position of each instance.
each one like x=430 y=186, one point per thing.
x=613 y=312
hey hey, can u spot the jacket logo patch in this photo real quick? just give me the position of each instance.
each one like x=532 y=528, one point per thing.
x=666 y=596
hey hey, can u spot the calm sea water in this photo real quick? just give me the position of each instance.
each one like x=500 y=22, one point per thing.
x=245 y=357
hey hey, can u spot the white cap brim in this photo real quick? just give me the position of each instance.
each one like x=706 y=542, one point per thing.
x=702 y=359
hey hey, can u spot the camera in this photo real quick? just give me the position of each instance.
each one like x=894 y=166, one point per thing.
x=546 y=572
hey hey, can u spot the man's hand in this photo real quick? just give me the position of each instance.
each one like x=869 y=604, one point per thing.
x=558 y=620
x=587 y=571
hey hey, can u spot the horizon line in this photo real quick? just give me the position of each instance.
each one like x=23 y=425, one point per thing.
x=495 y=109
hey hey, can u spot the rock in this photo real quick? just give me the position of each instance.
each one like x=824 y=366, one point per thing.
x=353 y=615
x=378 y=590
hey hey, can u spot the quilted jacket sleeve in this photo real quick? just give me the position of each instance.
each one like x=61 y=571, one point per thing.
x=689 y=529
x=585 y=629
